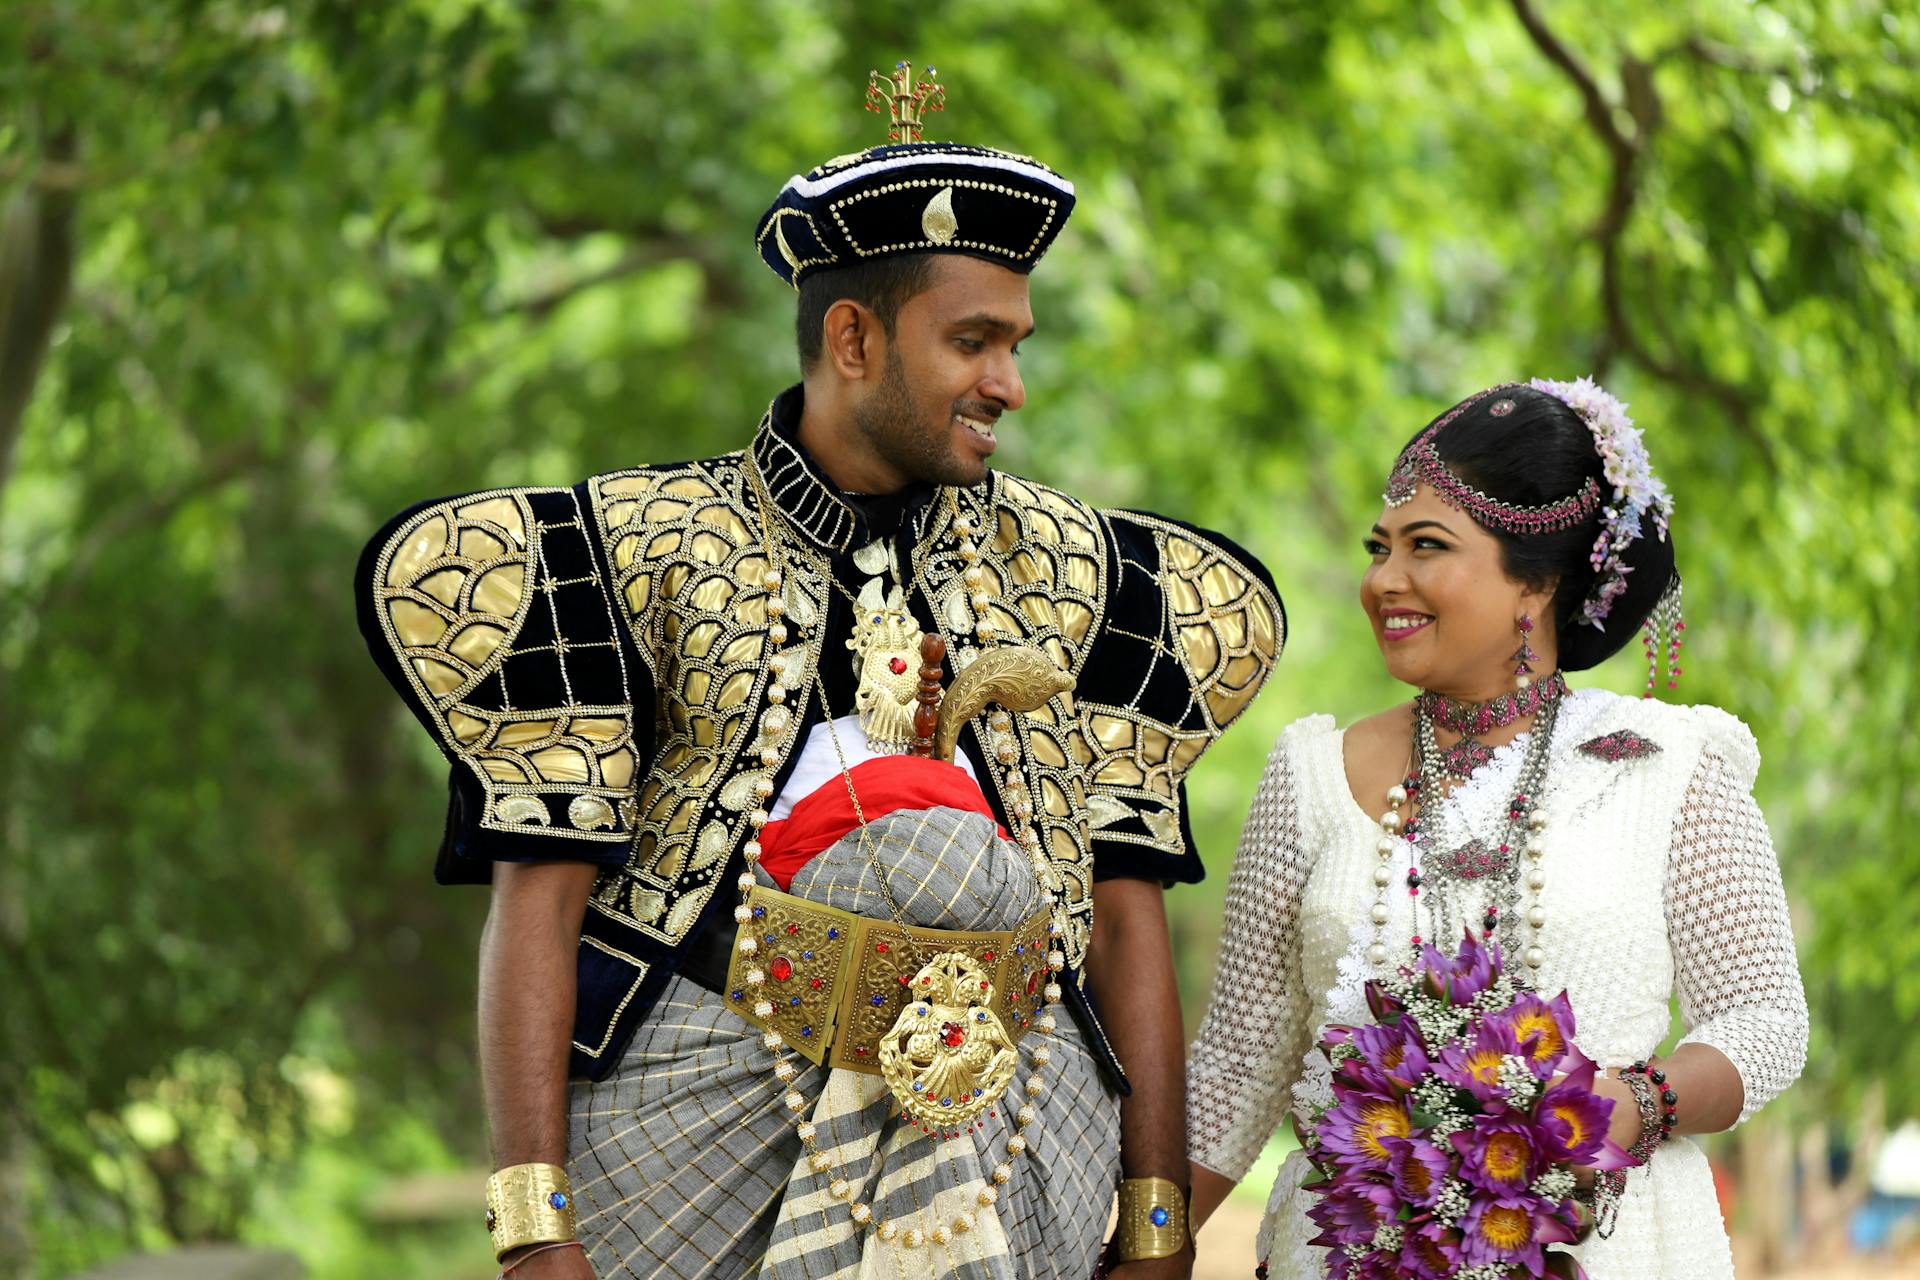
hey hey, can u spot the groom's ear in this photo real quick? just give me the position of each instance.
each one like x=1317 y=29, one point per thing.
x=853 y=341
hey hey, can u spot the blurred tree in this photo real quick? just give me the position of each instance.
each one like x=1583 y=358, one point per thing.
x=270 y=272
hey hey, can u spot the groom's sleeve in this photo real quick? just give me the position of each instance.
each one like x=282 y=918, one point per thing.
x=1191 y=629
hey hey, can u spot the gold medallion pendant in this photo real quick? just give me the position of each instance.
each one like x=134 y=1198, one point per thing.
x=946 y=1058
x=886 y=662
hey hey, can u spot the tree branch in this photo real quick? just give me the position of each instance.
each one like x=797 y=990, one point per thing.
x=36 y=274
x=540 y=305
x=1623 y=193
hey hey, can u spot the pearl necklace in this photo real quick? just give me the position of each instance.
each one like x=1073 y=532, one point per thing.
x=1019 y=799
x=1470 y=860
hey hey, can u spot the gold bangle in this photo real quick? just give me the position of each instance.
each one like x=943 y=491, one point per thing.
x=1153 y=1219
x=529 y=1204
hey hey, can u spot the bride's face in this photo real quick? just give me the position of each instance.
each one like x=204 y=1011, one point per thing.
x=1444 y=612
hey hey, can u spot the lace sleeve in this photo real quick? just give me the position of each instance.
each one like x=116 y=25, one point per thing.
x=1242 y=1067
x=1732 y=940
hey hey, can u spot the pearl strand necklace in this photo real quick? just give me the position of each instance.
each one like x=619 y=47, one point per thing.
x=1524 y=811
x=773 y=726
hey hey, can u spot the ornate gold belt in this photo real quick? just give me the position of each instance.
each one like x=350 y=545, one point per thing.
x=838 y=987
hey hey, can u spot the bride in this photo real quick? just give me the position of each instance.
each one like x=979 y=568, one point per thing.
x=1611 y=845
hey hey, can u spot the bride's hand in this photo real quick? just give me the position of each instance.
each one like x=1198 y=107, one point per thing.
x=1623 y=1125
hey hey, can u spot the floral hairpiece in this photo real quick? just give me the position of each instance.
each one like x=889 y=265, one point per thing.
x=1636 y=490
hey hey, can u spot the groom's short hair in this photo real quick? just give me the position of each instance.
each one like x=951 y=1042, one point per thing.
x=882 y=285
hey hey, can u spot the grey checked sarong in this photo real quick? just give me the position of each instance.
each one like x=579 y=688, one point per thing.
x=685 y=1163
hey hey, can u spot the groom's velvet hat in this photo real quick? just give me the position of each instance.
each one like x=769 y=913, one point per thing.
x=911 y=196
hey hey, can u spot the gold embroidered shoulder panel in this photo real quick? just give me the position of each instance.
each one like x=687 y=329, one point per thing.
x=488 y=612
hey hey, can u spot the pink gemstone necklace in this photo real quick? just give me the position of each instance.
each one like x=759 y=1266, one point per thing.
x=1472 y=719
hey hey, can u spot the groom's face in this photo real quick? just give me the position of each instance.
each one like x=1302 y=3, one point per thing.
x=951 y=372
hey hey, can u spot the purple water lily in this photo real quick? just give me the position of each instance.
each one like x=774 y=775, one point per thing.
x=1354 y=1130
x=1475 y=1065
x=1571 y=1122
x=1510 y=1230
x=1418 y=1169
x=1430 y=1251
x=1396 y=1053
x=1545 y=1030
x=1462 y=976
x=1500 y=1153
x=1350 y=1213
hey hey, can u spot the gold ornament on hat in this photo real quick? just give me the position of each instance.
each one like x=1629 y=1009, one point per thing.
x=937 y=220
x=904 y=101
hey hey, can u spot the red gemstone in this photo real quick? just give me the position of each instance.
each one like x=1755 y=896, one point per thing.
x=1033 y=981
x=988 y=957
x=881 y=947
x=781 y=968
x=953 y=1034
x=904 y=980
x=793 y=928
x=815 y=984
x=898 y=666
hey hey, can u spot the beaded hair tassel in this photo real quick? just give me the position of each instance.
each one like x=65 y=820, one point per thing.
x=1662 y=634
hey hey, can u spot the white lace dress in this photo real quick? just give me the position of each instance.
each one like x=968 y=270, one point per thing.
x=1660 y=880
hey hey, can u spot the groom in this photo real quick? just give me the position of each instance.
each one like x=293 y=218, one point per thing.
x=642 y=680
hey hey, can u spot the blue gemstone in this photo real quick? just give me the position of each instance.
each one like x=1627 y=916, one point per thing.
x=739 y=995
x=794 y=1001
x=878 y=1001
x=769 y=937
x=805 y=1031
x=946 y=1102
x=558 y=1200
x=833 y=933
x=1158 y=1217
x=978 y=1092
x=806 y=955
x=918 y=1087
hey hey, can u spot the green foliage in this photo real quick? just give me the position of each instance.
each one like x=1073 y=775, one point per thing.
x=338 y=257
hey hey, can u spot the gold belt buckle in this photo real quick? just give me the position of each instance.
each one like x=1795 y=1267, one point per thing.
x=845 y=991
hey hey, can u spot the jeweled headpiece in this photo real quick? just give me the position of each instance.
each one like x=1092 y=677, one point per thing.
x=911 y=196
x=1637 y=494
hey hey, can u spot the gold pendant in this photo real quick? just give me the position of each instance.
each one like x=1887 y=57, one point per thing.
x=947 y=1057
x=886 y=656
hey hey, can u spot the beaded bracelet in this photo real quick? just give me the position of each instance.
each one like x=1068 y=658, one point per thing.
x=1649 y=1137
x=1657 y=1115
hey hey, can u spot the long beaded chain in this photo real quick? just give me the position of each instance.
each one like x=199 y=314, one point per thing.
x=838 y=1187
x=1525 y=830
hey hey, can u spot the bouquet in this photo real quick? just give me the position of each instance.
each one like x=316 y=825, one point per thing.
x=1457 y=1121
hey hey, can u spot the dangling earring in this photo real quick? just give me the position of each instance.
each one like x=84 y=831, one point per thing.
x=1526 y=657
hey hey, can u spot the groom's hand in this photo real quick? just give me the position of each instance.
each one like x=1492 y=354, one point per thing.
x=1177 y=1267
x=550 y=1264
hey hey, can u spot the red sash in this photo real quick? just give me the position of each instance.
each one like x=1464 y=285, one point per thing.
x=883 y=784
